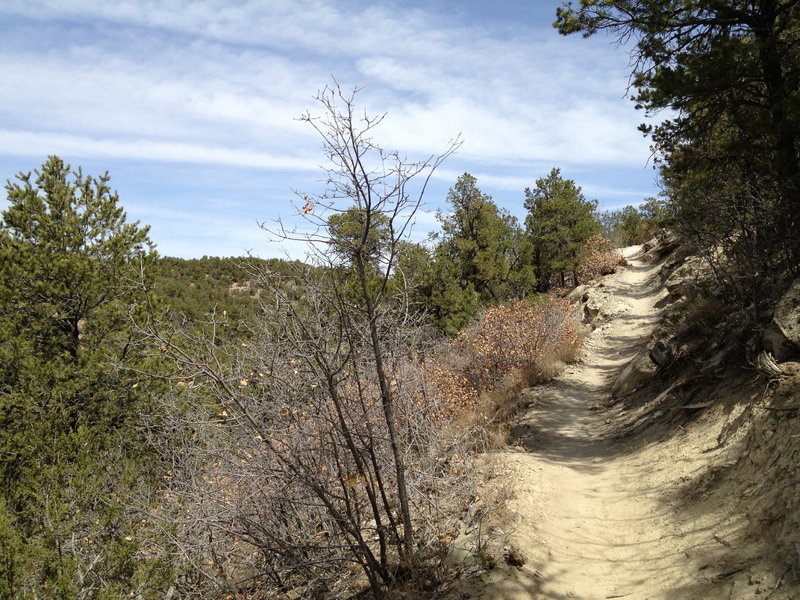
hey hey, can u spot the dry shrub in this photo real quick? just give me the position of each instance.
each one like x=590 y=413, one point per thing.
x=600 y=259
x=492 y=416
x=288 y=484
x=477 y=377
x=517 y=341
x=315 y=468
x=453 y=391
x=287 y=487
x=704 y=313
x=551 y=364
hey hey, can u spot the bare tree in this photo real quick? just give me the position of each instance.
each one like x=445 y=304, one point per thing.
x=318 y=439
x=375 y=188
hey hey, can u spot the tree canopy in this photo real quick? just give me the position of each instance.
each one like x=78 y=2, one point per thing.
x=482 y=256
x=560 y=220
x=71 y=270
x=730 y=72
x=70 y=254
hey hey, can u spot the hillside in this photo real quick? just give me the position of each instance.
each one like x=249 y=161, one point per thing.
x=670 y=482
x=199 y=286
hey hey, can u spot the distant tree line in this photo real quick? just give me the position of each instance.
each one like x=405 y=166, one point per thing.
x=484 y=256
x=630 y=225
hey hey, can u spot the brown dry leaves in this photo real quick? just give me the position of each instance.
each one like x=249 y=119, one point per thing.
x=601 y=259
x=507 y=340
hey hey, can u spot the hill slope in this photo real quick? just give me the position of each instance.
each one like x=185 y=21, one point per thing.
x=660 y=494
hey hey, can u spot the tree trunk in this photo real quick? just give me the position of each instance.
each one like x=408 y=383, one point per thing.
x=785 y=159
x=387 y=402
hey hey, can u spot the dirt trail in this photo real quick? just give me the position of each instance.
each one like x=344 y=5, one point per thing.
x=589 y=510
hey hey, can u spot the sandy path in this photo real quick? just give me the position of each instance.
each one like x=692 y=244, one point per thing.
x=589 y=514
x=627 y=498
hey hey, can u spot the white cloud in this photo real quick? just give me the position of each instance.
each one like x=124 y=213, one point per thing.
x=243 y=76
x=217 y=83
x=40 y=144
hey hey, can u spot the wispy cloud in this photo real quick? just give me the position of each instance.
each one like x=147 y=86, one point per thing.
x=213 y=83
x=43 y=143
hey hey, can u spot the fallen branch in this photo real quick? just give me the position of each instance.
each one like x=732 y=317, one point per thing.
x=696 y=406
x=766 y=365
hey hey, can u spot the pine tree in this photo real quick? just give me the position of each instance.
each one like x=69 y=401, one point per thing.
x=560 y=220
x=729 y=75
x=482 y=256
x=70 y=272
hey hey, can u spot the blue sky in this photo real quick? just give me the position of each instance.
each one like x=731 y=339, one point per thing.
x=192 y=106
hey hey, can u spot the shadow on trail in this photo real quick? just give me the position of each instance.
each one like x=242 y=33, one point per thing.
x=604 y=511
x=568 y=425
x=635 y=291
x=555 y=430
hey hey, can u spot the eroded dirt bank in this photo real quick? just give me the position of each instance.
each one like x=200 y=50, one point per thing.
x=603 y=514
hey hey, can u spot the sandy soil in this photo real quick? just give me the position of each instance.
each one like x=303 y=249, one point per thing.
x=600 y=515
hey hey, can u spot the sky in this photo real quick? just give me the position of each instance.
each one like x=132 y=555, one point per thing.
x=192 y=106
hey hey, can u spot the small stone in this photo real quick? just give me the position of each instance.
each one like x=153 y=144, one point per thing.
x=636 y=373
x=514 y=556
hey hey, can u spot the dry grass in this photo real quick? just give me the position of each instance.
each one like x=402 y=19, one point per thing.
x=551 y=364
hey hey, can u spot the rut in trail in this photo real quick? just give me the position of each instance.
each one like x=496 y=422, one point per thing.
x=589 y=508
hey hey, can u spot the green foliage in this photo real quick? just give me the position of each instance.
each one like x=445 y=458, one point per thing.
x=413 y=275
x=632 y=226
x=70 y=254
x=193 y=289
x=560 y=220
x=482 y=257
x=357 y=239
x=454 y=300
x=72 y=270
x=657 y=213
x=730 y=73
x=629 y=225
x=351 y=234
x=725 y=206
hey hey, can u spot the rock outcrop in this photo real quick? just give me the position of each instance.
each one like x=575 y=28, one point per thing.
x=664 y=243
x=662 y=353
x=636 y=373
x=596 y=303
x=684 y=280
x=782 y=337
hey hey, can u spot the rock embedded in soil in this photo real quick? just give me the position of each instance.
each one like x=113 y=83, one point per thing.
x=514 y=556
x=684 y=280
x=782 y=337
x=635 y=374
